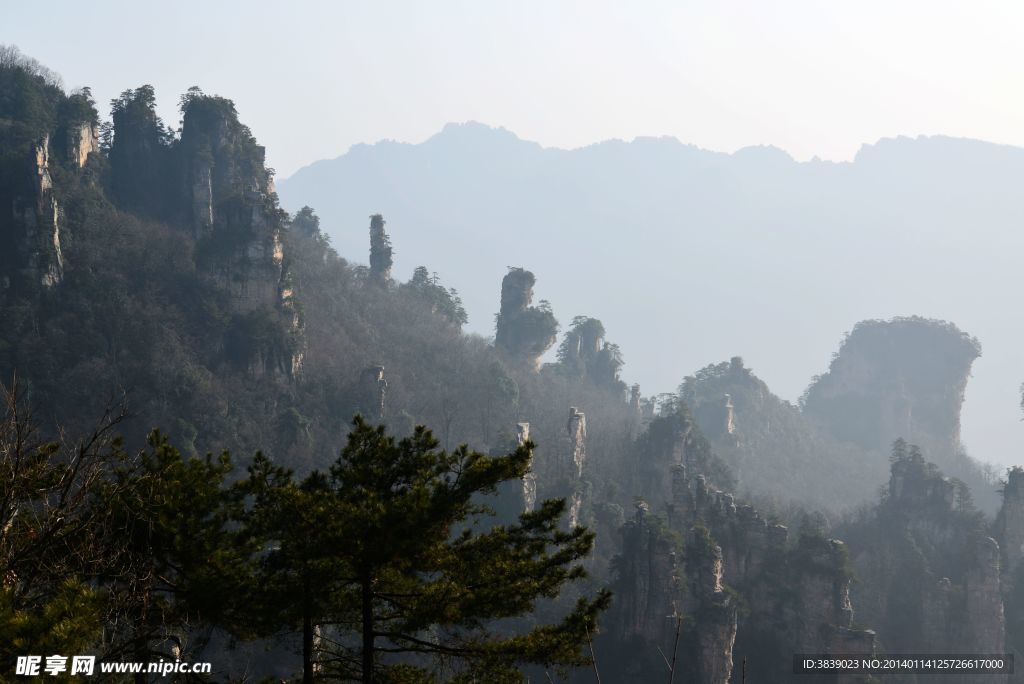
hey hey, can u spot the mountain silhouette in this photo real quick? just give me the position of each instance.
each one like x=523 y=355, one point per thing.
x=690 y=256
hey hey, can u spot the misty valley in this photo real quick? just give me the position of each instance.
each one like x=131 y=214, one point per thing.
x=227 y=440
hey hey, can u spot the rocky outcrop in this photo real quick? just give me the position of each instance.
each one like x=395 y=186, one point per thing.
x=670 y=439
x=576 y=427
x=373 y=388
x=913 y=488
x=582 y=344
x=676 y=601
x=81 y=140
x=985 y=619
x=523 y=332
x=795 y=596
x=711 y=637
x=1010 y=522
x=634 y=402
x=380 y=252
x=799 y=596
x=824 y=622
x=772 y=448
x=230 y=207
x=648 y=580
x=900 y=378
x=729 y=416
x=967 y=619
x=747 y=539
x=584 y=353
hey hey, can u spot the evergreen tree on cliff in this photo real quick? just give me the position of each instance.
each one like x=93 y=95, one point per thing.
x=401 y=573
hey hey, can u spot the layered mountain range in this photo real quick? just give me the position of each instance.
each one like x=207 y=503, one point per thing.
x=770 y=258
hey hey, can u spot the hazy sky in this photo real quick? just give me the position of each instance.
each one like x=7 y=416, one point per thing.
x=312 y=78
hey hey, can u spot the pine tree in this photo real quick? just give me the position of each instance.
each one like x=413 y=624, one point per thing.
x=393 y=563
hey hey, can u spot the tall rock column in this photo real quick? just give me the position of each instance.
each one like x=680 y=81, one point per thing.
x=985 y=601
x=227 y=196
x=373 y=388
x=380 y=252
x=647 y=581
x=636 y=412
x=1011 y=520
x=229 y=201
x=530 y=478
x=710 y=641
x=36 y=229
x=577 y=429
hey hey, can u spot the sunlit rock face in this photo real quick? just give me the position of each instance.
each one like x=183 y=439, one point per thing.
x=373 y=388
x=576 y=427
x=530 y=478
x=229 y=206
x=81 y=140
x=36 y=259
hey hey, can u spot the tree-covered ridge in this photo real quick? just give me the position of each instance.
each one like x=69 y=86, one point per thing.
x=32 y=100
x=385 y=565
x=777 y=453
x=895 y=379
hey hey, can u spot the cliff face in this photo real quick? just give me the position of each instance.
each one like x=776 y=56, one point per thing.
x=585 y=353
x=30 y=230
x=229 y=205
x=710 y=638
x=798 y=595
x=1010 y=522
x=33 y=229
x=903 y=378
x=212 y=185
x=671 y=440
x=713 y=555
x=45 y=135
x=576 y=428
x=1009 y=532
x=676 y=601
x=648 y=579
x=81 y=140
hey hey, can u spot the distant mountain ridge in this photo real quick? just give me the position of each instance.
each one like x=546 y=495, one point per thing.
x=750 y=253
